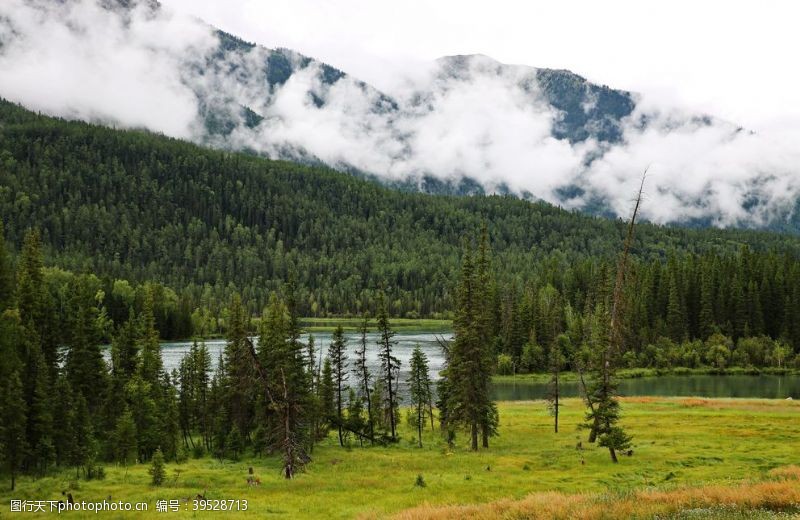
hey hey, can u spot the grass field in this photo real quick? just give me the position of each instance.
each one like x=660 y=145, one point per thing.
x=679 y=446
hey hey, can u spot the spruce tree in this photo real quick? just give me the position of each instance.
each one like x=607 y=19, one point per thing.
x=158 y=473
x=327 y=396
x=126 y=448
x=470 y=359
x=84 y=448
x=362 y=373
x=555 y=362
x=281 y=365
x=355 y=415
x=6 y=274
x=240 y=380
x=337 y=353
x=12 y=427
x=390 y=366
x=419 y=389
x=64 y=422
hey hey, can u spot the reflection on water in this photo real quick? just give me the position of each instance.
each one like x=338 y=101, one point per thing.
x=765 y=386
x=173 y=352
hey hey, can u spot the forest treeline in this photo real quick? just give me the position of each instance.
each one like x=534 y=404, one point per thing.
x=129 y=205
x=63 y=405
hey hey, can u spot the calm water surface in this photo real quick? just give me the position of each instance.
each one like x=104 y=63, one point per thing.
x=764 y=386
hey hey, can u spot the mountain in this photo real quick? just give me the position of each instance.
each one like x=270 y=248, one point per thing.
x=137 y=206
x=461 y=125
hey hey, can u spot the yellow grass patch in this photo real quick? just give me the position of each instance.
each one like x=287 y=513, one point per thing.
x=779 y=495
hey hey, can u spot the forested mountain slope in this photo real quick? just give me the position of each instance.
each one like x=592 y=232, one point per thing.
x=139 y=206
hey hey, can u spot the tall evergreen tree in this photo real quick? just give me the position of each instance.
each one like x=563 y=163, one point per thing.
x=6 y=274
x=337 y=353
x=14 y=444
x=419 y=389
x=240 y=380
x=390 y=366
x=125 y=444
x=555 y=363
x=470 y=405
x=364 y=377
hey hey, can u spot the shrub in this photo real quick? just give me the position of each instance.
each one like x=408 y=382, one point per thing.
x=157 y=471
x=505 y=365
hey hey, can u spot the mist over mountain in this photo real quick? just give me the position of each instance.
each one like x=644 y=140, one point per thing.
x=465 y=124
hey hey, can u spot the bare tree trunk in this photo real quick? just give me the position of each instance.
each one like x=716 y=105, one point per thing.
x=590 y=404
x=555 y=402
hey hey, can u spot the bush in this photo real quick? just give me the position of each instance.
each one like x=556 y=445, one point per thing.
x=182 y=455
x=199 y=451
x=420 y=482
x=95 y=472
x=532 y=357
x=505 y=365
x=157 y=471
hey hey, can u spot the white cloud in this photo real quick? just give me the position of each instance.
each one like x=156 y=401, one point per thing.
x=77 y=59
x=478 y=119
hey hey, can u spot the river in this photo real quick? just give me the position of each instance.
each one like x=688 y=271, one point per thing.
x=763 y=386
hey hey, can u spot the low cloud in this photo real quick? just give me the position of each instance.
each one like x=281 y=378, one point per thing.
x=101 y=61
x=473 y=117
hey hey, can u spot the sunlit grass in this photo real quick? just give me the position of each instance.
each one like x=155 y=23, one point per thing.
x=677 y=443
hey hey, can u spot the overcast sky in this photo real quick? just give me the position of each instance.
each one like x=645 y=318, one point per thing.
x=735 y=59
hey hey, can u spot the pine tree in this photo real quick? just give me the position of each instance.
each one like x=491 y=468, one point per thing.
x=337 y=354
x=158 y=473
x=6 y=274
x=556 y=360
x=64 y=421
x=364 y=377
x=419 y=389
x=84 y=447
x=144 y=411
x=484 y=296
x=390 y=366
x=234 y=443
x=151 y=367
x=470 y=358
x=12 y=426
x=240 y=380
x=706 y=317
x=281 y=365
x=327 y=396
x=85 y=368
x=40 y=413
x=676 y=321
x=355 y=415
x=126 y=448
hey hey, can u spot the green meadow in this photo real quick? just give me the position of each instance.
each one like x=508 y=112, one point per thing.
x=678 y=443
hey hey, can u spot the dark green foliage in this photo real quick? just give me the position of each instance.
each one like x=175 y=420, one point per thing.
x=419 y=390
x=6 y=274
x=338 y=357
x=124 y=438
x=470 y=360
x=134 y=206
x=157 y=471
x=234 y=443
x=390 y=366
x=362 y=373
x=14 y=442
x=327 y=394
